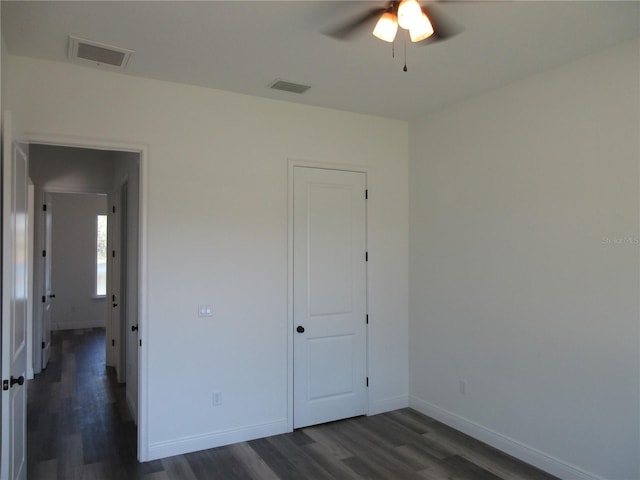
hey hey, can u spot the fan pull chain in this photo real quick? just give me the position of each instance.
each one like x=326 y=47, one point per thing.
x=405 y=54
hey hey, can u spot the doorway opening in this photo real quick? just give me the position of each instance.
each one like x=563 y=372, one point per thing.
x=86 y=292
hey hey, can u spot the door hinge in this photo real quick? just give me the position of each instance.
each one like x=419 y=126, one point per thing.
x=44 y=253
x=113 y=209
x=113 y=298
x=140 y=342
x=44 y=345
x=113 y=253
x=113 y=342
x=44 y=299
x=367 y=381
x=366 y=256
x=44 y=207
x=367 y=319
x=366 y=194
x=5 y=385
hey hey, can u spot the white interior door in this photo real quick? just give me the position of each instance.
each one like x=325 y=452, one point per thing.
x=329 y=295
x=47 y=293
x=117 y=336
x=129 y=286
x=122 y=286
x=14 y=305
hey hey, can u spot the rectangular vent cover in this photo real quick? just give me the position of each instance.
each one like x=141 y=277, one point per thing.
x=289 y=86
x=98 y=53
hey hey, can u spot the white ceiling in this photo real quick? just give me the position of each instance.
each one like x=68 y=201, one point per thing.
x=242 y=46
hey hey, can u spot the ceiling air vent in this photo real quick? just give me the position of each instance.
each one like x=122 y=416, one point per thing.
x=289 y=86
x=98 y=53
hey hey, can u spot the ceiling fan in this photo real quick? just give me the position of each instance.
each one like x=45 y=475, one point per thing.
x=423 y=23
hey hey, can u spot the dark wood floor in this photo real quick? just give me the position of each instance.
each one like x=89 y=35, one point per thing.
x=78 y=428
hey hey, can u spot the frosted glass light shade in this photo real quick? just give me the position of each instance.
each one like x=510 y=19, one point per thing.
x=409 y=13
x=421 y=30
x=387 y=27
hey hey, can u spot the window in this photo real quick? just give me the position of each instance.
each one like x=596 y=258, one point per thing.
x=101 y=257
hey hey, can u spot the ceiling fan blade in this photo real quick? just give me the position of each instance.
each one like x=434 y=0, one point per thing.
x=348 y=30
x=443 y=27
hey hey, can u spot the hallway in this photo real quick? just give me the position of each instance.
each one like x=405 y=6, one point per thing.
x=78 y=425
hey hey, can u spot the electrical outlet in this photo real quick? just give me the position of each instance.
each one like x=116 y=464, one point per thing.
x=217 y=398
x=462 y=386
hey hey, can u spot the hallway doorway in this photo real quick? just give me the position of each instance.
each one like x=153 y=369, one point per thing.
x=73 y=177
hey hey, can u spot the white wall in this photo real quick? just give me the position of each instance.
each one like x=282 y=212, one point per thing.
x=217 y=233
x=56 y=168
x=3 y=73
x=524 y=248
x=73 y=243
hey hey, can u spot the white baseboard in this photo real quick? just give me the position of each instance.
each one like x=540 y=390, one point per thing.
x=389 y=404
x=215 y=439
x=508 y=445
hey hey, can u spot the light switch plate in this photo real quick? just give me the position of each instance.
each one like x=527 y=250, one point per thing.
x=205 y=310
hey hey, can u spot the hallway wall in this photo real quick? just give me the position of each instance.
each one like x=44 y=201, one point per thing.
x=74 y=261
x=67 y=169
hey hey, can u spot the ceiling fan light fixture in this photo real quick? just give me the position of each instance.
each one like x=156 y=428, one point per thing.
x=387 y=27
x=421 y=30
x=409 y=13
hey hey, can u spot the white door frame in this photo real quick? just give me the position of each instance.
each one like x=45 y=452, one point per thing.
x=30 y=252
x=143 y=151
x=292 y=163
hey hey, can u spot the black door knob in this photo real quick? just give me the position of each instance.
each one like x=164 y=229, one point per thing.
x=134 y=328
x=300 y=329
x=52 y=295
x=19 y=380
x=115 y=304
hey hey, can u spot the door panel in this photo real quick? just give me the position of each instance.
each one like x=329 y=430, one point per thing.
x=329 y=304
x=330 y=366
x=330 y=250
x=15 y=274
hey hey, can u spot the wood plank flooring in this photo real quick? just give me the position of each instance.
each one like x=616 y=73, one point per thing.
x=79 y=428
